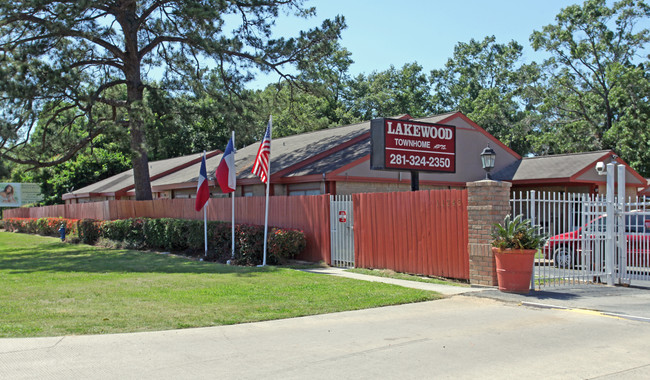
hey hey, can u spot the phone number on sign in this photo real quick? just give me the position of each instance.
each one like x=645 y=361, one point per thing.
x=413 y=160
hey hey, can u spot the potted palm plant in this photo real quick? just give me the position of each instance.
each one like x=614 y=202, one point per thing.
x=515 y=243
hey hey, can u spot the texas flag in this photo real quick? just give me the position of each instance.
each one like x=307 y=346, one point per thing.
x=202 y=189
x=226 y=175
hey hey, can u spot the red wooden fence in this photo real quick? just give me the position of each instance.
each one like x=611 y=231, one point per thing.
x=307 y=213
x=422 y=232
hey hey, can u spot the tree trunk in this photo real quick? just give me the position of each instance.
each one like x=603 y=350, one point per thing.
x=139 y=157
x=135 y=95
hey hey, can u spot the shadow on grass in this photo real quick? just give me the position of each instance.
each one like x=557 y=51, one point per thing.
x=62 y=257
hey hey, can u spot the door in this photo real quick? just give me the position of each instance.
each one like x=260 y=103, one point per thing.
x=342 y=231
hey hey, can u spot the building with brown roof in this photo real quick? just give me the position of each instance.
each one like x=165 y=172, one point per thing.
x=337 y=161
x=574 y=173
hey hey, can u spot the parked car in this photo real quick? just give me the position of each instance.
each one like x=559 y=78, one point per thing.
x=566 y=249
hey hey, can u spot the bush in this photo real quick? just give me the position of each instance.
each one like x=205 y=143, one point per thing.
x=128 y=231
x=174 y=235
x=155 y=233
x=282 y=244
x=41 y=226
x=220 y=240
x=285 y=244
x=194 y=234
x=89 y=231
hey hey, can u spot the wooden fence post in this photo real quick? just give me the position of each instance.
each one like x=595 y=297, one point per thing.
x=488 y=202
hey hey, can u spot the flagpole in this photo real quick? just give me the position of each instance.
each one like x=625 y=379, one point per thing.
x=266 y=215
x=205 y=230
x=232 y=223
x=268 y=185
x=205 y=222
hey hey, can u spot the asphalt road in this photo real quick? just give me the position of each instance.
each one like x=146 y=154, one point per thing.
x=464 y=336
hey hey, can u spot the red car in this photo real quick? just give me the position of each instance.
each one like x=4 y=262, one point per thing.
x=566 y=249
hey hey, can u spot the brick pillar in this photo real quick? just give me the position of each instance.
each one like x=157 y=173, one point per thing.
x=488 y=202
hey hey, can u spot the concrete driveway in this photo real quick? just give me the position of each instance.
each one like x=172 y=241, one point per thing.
x=625 y=302
x=458 y=337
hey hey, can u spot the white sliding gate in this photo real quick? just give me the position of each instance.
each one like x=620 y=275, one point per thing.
x=586 y=246
x=342 y=231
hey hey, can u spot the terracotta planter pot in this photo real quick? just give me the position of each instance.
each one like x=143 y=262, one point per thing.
x=514 y=269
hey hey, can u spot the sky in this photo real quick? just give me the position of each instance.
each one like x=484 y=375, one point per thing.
x=382 y=33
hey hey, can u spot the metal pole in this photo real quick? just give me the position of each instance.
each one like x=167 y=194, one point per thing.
x=415 y=180
x=620 y=220
x=205 y=229
x=610 y=246
x=266 y=214
x=532 y=222
x=268 y=185
x=232 y=222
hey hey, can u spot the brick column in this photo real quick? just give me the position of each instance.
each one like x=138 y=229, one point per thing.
x=488 y=203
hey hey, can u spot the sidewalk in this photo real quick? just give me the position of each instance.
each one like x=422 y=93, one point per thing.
x=622 y=302
x=448 y=290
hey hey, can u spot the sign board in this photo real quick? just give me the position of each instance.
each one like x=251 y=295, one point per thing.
x=18 y=194
x=343 y=216
x=412 y=145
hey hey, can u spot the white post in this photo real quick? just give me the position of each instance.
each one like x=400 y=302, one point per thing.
x=620 y=221
x=205 y=229
x=266 y=213
x=533 y=218
x=268 y=186
x=205 y=220
x=232 y=221
x=610 y=246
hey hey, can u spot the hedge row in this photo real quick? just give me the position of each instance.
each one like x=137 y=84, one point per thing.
x=42 y=226
x=175 y=235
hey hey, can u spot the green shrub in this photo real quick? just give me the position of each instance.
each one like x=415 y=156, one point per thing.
x=128 y=231
x=285 y=244
x=194 y=235
x=41 y=226
x=89 y=231
x=155 y=233
x=174 y=235
x=220 y=240
x=249 y=243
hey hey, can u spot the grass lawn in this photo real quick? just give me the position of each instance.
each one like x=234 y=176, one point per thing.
x=49 y=288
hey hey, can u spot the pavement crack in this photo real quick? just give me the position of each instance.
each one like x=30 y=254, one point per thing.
x=35 y=348
x=623 y=372
x=290 y=369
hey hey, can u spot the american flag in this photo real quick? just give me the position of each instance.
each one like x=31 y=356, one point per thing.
x=261 y=165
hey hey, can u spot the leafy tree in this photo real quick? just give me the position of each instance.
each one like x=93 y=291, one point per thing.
x=597 y=94
x=5 y=170
x=315 y=100
x=329 y=80
x=91 y=165
x=390 y=93
x=294 y=110
x=199 y=119
x=486 y=81
x=92 y=59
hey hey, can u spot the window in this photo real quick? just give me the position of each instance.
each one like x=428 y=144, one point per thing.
x=304 y=192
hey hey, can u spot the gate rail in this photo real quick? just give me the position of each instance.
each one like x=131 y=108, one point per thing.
x=584 y=245
x=342 y=231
